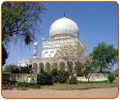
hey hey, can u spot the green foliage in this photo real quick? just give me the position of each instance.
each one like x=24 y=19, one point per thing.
x=19 y=20
x=45 y=78
x=63 y=76
x=41 y=65
x=10 y=68
x=60 y=76
x=111 y=77
x=79 y=68
x=104 y=56
x=28 y=85
x=54 y=72
x=4 y=55
x=26 y=69
x=16 y=70
x=89 y=68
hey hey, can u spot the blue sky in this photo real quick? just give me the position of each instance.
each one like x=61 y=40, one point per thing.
x=97 y=21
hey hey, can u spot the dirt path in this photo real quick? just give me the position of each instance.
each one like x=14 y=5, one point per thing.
x=44 y=93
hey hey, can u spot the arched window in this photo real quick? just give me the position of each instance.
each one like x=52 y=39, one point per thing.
x=62 y=66
x=51 y=53
x=55 y=65
x=46 y=54
x=41 y=66
x=70 y=66
x=47 y=67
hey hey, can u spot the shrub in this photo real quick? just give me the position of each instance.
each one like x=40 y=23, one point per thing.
x=9 y=68
x=54 y=72
x=45 y=79
x=111 y=77
x=62 y=76
x=5 y=82
x=29 y=85
x=22 y=84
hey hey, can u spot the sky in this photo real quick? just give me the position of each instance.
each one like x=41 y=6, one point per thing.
x=97 y=21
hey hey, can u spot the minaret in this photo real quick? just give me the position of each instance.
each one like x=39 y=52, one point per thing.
x=35 y=50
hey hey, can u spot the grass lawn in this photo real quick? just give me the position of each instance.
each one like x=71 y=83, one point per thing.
x=80 y=85
x=64 y=86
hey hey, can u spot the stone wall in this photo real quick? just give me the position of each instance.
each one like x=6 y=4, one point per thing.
x=27 y=78
x=95 y=77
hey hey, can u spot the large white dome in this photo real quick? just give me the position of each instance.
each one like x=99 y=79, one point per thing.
x=64 y=26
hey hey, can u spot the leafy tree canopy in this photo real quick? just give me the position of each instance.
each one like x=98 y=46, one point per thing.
x=104 y=56
x=10 y=68
x=18 y=18
x=18 y=21
x=4 y=55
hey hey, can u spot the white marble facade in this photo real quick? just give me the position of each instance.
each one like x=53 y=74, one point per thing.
x=63 y=31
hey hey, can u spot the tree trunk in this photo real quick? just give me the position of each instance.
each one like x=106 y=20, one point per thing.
x=88 y=80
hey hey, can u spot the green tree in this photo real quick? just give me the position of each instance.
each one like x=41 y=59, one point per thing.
x=18 y=21
x=4 y=55
x=26 y=69
x=10 y=68
x=105 y=56
x=88 y=69
x=111 y=77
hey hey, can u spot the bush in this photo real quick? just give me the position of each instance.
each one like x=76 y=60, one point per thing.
x=9 y=68
x=54 y=72
x=22 y=84
x=62 y=76
x=45 y=79
x=29 y=85
x=111 y=78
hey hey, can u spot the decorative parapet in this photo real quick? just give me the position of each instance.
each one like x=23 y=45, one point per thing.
x=60 y=42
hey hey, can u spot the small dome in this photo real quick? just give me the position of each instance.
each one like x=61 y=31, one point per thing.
x=64 y=26
x=35 y=43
